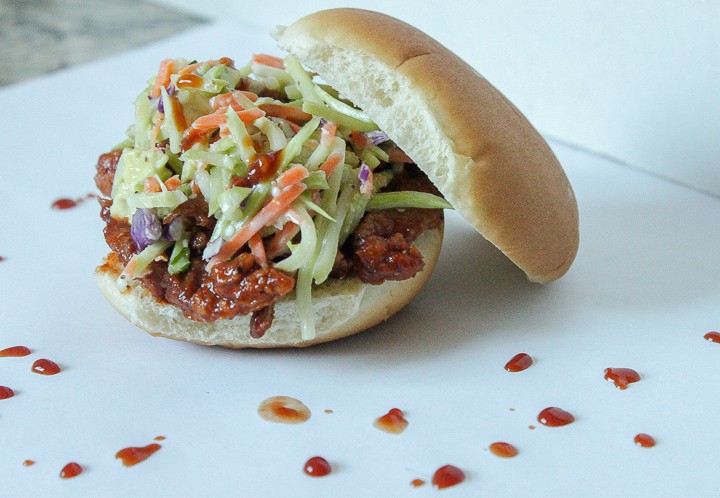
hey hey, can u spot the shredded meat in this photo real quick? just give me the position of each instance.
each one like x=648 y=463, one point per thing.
x=117 y=236
x=106 y=167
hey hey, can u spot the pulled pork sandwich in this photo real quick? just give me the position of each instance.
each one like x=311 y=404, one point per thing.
x=293 y=201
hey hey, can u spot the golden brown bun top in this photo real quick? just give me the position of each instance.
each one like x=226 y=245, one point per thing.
x=481 y=152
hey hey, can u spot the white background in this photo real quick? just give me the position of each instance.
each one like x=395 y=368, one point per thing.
x=636 y=81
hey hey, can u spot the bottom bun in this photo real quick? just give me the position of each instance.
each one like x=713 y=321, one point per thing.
x=341 y=308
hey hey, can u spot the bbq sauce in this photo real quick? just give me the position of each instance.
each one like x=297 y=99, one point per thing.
x=644 y=440
x=71 y=470
x=45 y=367
x=133 y=455
x=284 y=410
x=64 y=203
x=447 y=476
x=555 y=417
x=712 y=337
x=189 y=81
x=317 y=467
x=393 y=422
x=6 y=392
x=15 y=351
x=519 y=362
x=503 y=450
x=416 y=483
x=622 y=376
x=28 y=463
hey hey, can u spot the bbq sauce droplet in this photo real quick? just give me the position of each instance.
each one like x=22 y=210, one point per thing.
x=71 y=470
x=284 y=410
x=64 y=203
x=555 y=417
x=133 y=455
x=503 y=450
x=45 y=367
x=393 y=422
x=6 y=392
x=189 y=81
x=519 y=362
x=622 y=376
x=2 y=259
x=28 y=463
x=416 y=483
x=159 y=438
x=15 y=351
x=644 y=440
x=317 y=467
x=447 y=476
x=712 y=337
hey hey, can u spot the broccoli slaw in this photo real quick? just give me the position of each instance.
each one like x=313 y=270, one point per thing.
x=287 y=166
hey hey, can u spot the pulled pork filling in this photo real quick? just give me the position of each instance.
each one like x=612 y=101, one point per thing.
x=380 y=249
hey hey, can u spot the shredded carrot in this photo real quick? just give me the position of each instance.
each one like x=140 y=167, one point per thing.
x=222 y=100
x=294 y=127
x=257 y=249
x=397 y=155
x=278 y=244
x=269 y=60
x=159 y=118
x=152 y=185
x=192 y=67
x=295 y=174
x=218 y=118
x=163 y=77
x=173 y=183
x=272 y=210
x=195 y=188
x=250 y=95
x=287 y=112
x=328 y=132
x=330 y=164
x=359 y=139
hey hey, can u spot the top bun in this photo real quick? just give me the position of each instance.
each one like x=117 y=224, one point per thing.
x=471 y=141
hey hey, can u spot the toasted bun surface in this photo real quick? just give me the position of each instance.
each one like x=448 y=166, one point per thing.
x=341 y=307
x=478 y=149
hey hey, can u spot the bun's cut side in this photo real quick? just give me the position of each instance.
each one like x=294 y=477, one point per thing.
x=475 y=146
x=341 y=307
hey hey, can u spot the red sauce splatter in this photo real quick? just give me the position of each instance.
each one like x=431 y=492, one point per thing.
x=392 y=422
x=503 y=450
x=328 y=411
x=644 y=440
x=555 y=417
x=6 y=392
x=519 y=362
x=2 y=259
x=133 y=455
x=447 y=476
x=45 y=367
x=64 y=203
x=284 y=410
x=622 y=376
x=189 y=81
x=712 y=337
x=416 y=483
x=160 y=438
x=531 y=427
x=15 y=351
x=317 y=467
x=28 y=463
x=71 y=470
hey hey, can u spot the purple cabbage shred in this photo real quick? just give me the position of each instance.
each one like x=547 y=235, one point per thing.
x=377 y=137
x=145 y=228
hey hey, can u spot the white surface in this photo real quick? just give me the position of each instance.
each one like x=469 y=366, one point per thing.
x=643 y=291
x=633 y=80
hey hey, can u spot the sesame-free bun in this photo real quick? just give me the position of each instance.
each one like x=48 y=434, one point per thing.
x=341 y=307
x=471 y=141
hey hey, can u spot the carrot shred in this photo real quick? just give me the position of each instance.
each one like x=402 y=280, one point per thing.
x=269 y=60
x=295 y=174
x=330 y=164
x=271 y=211
x=163 y=77
x=159 y=118
x=152 y=184
x=328 y=132
x=257 y=249
x=250 y=95
x=218 y=118
x=287 y=112
x=278 y=244
x=173 y=183
x=192 y=67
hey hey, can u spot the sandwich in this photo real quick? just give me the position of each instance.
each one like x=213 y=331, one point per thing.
x=297 y=200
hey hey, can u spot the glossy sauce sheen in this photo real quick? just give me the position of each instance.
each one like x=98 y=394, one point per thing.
x=503 y=450
x=447 y=476
x=712 y=337
x=393 y=422
x=133 y=455
x=644 y=440
x=317 y=467
x=284 y=410
x=45 y=367
x=555 y=417
x=6 y=392
x=519 y=362
x=15 y=351
x=71 y=470
x=622 y=376
x=189 y=81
